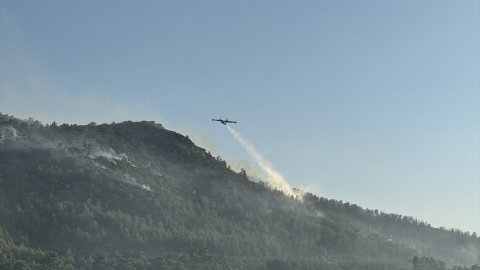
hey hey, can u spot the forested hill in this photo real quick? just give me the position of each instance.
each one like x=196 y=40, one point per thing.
x=134 y=195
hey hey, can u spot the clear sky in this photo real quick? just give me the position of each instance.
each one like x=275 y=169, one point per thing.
x=372 y=102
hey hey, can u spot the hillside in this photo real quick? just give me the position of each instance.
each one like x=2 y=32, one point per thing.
x=134 y=195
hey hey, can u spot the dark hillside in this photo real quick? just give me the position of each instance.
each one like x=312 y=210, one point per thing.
x=134 y=195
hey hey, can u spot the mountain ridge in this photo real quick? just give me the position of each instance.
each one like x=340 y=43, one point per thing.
x=153 y=196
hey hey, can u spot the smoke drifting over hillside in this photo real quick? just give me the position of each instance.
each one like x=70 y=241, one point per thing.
x=140 y=187
x=274 y=178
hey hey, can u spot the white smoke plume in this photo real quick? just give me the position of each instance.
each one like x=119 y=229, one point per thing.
x=274 y=178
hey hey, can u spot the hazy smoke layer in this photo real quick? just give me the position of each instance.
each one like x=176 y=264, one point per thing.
x=274 y=178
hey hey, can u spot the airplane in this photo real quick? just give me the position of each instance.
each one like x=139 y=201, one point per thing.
x=225 y=122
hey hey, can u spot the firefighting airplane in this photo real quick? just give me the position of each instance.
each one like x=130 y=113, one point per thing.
x=225 y=122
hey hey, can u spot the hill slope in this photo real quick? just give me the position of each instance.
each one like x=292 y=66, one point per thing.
x=138 y=196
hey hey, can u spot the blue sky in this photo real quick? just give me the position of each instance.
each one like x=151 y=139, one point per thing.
x=372 y=102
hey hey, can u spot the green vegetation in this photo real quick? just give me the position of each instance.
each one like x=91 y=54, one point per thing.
x=138 y=196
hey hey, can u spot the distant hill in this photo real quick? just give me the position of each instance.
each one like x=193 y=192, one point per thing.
x=134 y=195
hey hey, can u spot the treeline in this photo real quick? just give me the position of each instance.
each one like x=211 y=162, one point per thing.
x=138 y=196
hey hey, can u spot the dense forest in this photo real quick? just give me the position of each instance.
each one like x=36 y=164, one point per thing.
x=134 y=195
